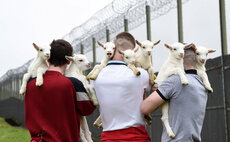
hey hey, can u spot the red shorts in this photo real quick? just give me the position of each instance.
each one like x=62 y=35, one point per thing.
x=132 y=134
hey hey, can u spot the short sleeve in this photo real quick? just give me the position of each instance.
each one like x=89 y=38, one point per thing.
x=169 y=87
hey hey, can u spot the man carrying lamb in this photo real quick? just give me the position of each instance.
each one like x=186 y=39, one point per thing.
x=120 y=93
x=187 y=103
x=52 y=111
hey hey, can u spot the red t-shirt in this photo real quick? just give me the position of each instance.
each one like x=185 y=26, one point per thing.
x=52 y=111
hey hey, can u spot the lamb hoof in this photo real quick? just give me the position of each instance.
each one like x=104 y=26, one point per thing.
x=97 y=125
x=138 y=73
x=209 y=89
x=22 y=91
x=92 y=77
x=185 y=82
x=154 y=76
x=39 y=83
x=88 y=77
x=151 y=81
x=96 y=104
x=100 y=125
x=148 y=119
x=172 y=135
x=148 y=122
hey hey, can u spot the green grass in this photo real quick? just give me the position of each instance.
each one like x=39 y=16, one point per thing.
x=9 y=133
x=96 y=139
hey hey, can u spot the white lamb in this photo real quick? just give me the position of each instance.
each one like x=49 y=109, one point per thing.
x=144 y=60
x=109 y=48
x=201 y=57
x=129 y=57
x=78 y=65
x=173 y=65
x=37 y=68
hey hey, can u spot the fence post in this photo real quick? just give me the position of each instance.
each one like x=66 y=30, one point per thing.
x=180 y=21
x=148 y=22
x=224 y=52
x=94 y=51
x=107 y=35
x=82 y=49
x=223 y=27
x=126 y=28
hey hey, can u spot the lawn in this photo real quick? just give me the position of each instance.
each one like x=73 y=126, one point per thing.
x=9 y=133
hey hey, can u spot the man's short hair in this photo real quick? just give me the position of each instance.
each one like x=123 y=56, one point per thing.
x=59 y=49
x=127 y=36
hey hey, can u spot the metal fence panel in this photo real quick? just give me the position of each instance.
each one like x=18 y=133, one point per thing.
x=12 y=105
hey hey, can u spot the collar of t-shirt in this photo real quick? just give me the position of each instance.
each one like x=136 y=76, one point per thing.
x=116 y=62
x=192 y=71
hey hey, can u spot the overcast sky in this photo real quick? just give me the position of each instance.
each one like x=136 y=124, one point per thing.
x=23 y=22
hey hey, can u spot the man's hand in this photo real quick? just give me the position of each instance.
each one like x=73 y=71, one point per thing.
x=155 y=87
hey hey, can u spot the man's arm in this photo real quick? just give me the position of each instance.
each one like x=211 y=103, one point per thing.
x=152 y=102
x=165 y=91
x=83 y=104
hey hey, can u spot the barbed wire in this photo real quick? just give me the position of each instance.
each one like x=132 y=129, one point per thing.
x=15 y=72
x=110 y=17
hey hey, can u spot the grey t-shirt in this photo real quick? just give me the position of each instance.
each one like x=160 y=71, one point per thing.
x=187 y=106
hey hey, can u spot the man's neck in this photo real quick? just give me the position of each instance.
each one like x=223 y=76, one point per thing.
x=117 y=56
x=189 y=67
x=57 y=68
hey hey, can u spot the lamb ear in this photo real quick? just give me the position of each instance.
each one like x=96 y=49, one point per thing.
x=121 y=52
x=135 y=49
x=167 y=46
x=69 y=58
x=211 y=51
x=100 y=44
x=35 y=46
x=193 y=46
x=138 y=43
x=157 y=42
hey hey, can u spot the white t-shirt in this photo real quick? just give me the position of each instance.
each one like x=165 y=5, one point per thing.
x=120 y=94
